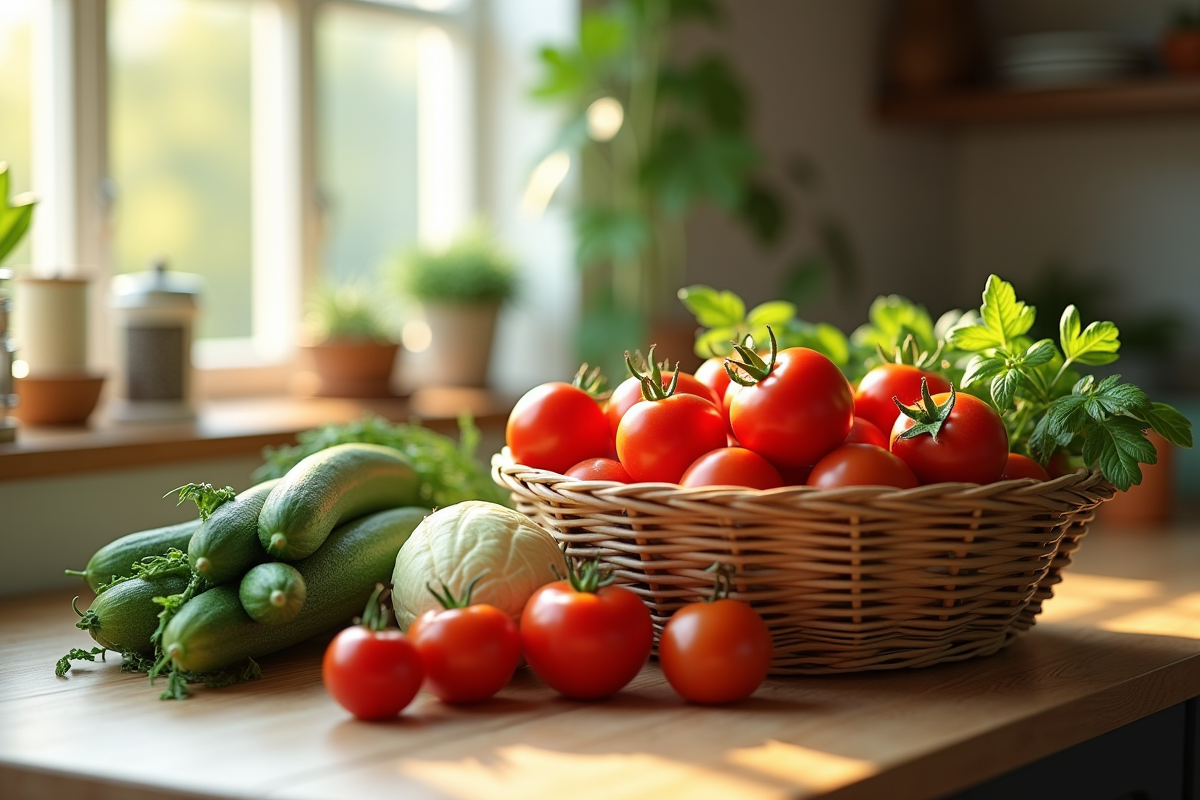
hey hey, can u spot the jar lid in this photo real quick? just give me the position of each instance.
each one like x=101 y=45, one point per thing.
x=156 y=287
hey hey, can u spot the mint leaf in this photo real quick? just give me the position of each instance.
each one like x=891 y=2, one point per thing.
x=1170 y=424
x=713 y=309
x=1003 y=314
x=1097 y=344
x=1118 y=444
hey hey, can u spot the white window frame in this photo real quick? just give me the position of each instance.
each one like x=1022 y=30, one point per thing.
x=71 y=233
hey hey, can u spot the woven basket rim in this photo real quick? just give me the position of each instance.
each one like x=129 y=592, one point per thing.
x=502 y=463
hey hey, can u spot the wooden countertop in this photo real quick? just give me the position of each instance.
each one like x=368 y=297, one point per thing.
x=226 y=428
x=1121 y=641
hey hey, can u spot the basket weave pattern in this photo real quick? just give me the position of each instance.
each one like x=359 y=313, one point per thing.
x=851 y=579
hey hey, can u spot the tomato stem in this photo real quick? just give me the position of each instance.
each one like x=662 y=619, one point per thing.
x=928 y=415
x=375 y=615
x=651 y=379
x=446 y=597
x=593 y=382
x=586 y=575
x=722 y=581
x=752 y=363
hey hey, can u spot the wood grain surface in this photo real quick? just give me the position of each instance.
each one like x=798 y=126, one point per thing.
x=1121 y=641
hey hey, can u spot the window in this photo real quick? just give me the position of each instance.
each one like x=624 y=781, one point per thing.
x=16 y=18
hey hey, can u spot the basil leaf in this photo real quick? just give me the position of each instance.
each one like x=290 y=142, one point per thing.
x=1004 y=388
x=1097 y=344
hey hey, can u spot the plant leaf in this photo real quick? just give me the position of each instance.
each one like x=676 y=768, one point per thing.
x=1168 y=422
x=1097 y=344
x=1118 y=445
x=1004 y=388
x=775 y=313
x=1002 y=313
x=1041 y=352
x=715 y=342
x=713 y=308
x=981 y=368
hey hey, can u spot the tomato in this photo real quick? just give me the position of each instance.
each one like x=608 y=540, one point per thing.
x=585 y=639
x=861 y=465
x=1062 y=463
x=658 y=440
x=873 y=397
x=470 y=651
x=629 y=392
x=1020 y=466
x=372 y=671
x=713 y=375
x=795 y=476
x=732 y=466
x=555 y=426
x=959 y=438
x=715 y=652
x=864 y=432
x=797 y=410
x=599 y=469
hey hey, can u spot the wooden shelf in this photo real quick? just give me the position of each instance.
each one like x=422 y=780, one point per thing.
x=1159 y=95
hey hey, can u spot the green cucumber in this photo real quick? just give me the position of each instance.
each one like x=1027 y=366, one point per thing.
x=124 y=616
x=272 y=593
x=329 y=488
x=226 y=544
x=213 y=631
x=115 y=559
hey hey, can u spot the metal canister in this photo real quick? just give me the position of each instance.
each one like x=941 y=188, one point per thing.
x=154 y=313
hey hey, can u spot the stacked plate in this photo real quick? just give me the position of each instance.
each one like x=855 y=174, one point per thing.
x=1054 y=60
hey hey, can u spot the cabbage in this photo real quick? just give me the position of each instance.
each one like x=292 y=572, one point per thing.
x=510 y=555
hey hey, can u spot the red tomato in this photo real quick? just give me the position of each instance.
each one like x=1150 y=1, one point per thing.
x=658 y=440
x=629 y=393
x=732 y=466
x=587 y=642
x=873 y=397
x=1062 y=463
x=864 y=432
x=715 y=652
x=599 y=469
x=470 y=653
x=795 y=476
x=555 y=426
x=970 y=444
x=861 y=465
x=373 y=674
x=713 y=375
x=799 y=412
x=1020 y=466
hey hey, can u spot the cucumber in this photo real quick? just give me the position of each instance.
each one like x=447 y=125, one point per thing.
x=212 y=630
x=124 y=616
x=226 y=544
x=116 y=559
x=272 y=593
x=331 y=487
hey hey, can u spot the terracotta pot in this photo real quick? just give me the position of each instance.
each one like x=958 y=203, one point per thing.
x=57 y=399
x=1181 y=51
x=1151 y=502
x=351 y=368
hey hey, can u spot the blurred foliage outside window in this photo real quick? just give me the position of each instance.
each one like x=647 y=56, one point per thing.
x=15 y=18
x=180 y=147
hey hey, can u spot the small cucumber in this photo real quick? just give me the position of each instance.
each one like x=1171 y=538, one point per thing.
x=115 y=559
x=226 y=544
x=124 y=616
x=272 y=593
x=212 y=630
x=331 y=487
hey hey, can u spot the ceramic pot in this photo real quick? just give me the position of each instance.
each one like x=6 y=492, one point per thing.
x=57 y=399
x=460 y=345
x=351 y=368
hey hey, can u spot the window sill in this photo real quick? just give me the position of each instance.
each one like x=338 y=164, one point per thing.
x=228 y=427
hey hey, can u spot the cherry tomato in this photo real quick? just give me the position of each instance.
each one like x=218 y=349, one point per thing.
x=732 y=466
x=861 y=465
x=658 y=440
x=964 y=441
x=713 y=375
x=797 y=413
x=599 y=469
x=1020 y=466
x=555 y=426
x=715 y=652
x=873 y=397
x=864 y=432
x=584 y=639
x=470 y=652
x=629 y=393
x=372 y=671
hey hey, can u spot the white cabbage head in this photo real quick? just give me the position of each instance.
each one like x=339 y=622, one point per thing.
x=510 y=554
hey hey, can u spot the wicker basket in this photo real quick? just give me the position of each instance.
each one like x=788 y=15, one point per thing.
x=848 y=579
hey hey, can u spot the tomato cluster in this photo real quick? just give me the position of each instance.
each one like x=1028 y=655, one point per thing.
x=582 y=635
x=786 y=417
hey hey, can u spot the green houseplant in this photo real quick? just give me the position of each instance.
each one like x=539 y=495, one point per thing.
x=349 y=345
x=460 y=289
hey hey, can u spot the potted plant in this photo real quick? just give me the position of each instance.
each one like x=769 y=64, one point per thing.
x=1181 y=42
x=349 y=347
x=460 y=289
